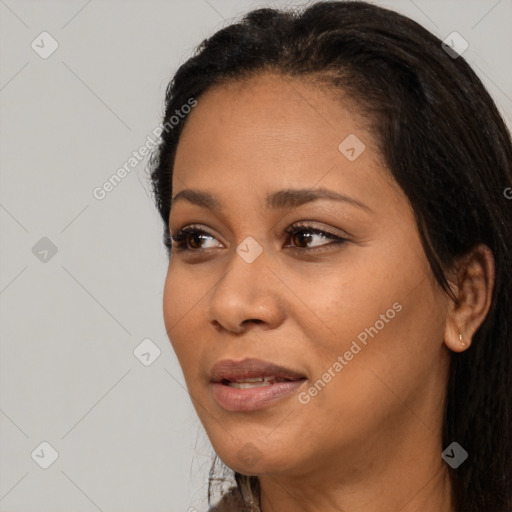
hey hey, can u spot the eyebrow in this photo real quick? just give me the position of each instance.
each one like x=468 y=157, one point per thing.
x=288 y=198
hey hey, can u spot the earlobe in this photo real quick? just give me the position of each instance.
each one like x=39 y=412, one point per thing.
x=474 y=277
x=455 y=340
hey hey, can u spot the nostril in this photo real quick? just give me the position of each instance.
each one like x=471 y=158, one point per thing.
x=216 y=324
x=253 y=320
x=238 y=329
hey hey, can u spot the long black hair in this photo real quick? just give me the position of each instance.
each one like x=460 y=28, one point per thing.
x=448 y=148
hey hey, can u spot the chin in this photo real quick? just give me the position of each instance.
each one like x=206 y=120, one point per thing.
x=252 y=457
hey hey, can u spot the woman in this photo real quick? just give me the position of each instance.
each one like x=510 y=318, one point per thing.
x=339 y=282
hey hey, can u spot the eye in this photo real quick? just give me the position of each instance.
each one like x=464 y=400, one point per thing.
x=191 y=238
x=306 y=236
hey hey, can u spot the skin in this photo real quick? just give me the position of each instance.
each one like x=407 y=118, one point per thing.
x=371 y=438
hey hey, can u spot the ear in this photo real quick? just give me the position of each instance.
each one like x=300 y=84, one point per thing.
x=472 y=283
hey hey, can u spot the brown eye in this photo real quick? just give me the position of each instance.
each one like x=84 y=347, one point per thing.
x=310 y=238
x=302 y=238
x=191 y=238
x=195 y=240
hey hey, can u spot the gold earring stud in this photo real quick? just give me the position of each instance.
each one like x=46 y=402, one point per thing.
x=462 y=340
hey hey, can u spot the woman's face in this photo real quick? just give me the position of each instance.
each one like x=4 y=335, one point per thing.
x=306 y=256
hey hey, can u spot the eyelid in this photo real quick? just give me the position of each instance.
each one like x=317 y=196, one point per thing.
x=335 y=240
x=312 y=226
x=180 y=235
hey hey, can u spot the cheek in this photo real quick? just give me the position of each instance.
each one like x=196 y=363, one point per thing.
x=379 y=379
x=346 y=299
x=384 y=315
x=390 y=349
x=171 y=304
x=181 y=303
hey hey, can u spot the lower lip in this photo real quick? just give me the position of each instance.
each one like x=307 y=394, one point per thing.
x=235 y=399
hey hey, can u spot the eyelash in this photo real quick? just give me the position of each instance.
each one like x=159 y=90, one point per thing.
x=179 y=240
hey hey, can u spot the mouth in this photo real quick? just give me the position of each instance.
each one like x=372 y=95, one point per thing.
x=252 y=384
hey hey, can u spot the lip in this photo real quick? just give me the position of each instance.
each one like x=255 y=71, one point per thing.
x=235 y=399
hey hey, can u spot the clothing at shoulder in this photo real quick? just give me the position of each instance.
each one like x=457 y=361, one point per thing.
x=230 y=502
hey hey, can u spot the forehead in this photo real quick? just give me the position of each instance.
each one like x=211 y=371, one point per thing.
x=268 y=114
x=270 y=131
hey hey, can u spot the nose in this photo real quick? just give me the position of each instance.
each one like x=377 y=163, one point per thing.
x=247 y=295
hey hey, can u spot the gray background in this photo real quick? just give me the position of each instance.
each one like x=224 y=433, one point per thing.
x=126 y=434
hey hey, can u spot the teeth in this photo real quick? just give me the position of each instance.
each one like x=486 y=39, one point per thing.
x=253 y=382
x=249 y=385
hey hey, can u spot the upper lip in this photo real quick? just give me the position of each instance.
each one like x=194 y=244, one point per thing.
x=229 y=370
